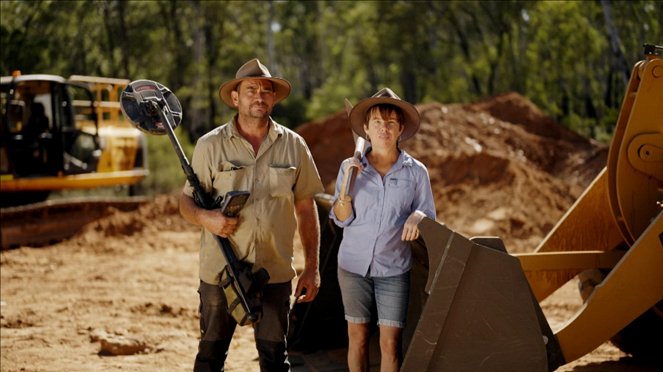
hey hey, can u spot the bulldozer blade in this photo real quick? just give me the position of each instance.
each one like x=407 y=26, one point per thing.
x=477 y=311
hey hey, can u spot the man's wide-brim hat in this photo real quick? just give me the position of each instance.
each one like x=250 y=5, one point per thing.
x=253 y=69
x=411 y=117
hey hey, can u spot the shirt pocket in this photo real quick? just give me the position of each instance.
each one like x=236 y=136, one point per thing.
x=281 y=180
x=401 y=195
x=230 y=177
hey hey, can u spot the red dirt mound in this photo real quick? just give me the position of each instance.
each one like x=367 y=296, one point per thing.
x=120 y=230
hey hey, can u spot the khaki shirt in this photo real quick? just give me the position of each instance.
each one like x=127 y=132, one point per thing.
x=282 y=172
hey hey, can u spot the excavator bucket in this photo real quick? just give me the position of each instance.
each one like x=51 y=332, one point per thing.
x=472 y=308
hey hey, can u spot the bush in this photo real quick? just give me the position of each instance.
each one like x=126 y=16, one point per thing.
x=166 y=174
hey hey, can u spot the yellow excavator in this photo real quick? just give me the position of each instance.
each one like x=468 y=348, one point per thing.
x=62 y=134
x=475 y=307
x=612 y=237
x=480 y=307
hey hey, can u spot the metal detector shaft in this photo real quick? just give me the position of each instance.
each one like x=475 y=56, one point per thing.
x=204 y=200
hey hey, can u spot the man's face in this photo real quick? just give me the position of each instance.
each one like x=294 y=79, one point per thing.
x=254 y=98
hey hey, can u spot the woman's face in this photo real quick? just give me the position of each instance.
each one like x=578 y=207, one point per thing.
x=383 y=129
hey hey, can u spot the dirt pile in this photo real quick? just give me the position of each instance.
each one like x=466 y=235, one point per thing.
x=498 y=166
x=147 y=223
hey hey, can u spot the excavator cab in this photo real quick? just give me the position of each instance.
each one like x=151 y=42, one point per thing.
x=60 y=134
x=40 y=135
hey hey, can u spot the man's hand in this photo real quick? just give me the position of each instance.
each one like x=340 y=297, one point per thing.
x=309 y=233
x=410 y=230
x=212 y=220
x=215 y=222
x=308 y=286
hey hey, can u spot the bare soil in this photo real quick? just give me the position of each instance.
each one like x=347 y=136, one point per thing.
x=121 y=295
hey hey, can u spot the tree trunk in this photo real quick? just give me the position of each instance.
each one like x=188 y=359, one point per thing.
x=619 y=62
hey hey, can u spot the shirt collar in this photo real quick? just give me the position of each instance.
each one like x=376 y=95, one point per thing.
x=404 y=160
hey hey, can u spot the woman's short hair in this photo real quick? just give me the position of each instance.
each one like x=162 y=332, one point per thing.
x=384 y=110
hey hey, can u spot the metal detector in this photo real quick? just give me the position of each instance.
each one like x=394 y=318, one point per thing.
x=154 y=109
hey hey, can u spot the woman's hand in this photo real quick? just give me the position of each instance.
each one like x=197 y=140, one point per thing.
x=348 y=164
x=352 y=162
x=410 y=230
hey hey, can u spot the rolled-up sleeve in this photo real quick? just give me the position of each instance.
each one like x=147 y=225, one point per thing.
x=200 y=161
x=308 y=180
x=332 y=215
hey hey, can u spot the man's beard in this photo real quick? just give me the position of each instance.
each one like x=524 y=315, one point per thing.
x=264 y=113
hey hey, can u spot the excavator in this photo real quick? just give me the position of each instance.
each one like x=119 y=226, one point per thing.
x=475 y=307
x=60 y=134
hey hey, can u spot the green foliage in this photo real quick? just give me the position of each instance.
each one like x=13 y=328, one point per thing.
x=166 y=174
x=291 y=112
x=572 y=58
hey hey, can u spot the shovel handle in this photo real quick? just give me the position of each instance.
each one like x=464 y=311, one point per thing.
x=351 y=174
x=345 y=186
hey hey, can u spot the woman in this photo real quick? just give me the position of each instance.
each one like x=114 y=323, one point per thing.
x=391 y=194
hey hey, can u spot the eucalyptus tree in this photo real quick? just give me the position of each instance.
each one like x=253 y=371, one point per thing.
x=477 y=44
x=628 y=24
x=20 y=24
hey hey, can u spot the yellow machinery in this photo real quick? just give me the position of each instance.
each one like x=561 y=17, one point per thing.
x=477 y=311
x=613 y=235
x=65 y=134
x=475 y=307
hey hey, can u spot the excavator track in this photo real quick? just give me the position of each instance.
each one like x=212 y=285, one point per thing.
x=51 y=221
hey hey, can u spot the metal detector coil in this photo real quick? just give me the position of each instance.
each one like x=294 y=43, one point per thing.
x=141 y=102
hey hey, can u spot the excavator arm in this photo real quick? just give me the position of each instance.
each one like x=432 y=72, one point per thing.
x=619 y=222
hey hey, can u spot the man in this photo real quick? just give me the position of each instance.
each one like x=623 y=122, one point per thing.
x=254 y=153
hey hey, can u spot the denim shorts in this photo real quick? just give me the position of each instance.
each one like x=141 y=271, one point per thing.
x=389 y=293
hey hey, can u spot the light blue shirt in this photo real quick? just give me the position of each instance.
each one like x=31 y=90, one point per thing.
x=372 y=234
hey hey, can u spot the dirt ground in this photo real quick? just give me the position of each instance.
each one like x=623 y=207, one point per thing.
x=121 y=295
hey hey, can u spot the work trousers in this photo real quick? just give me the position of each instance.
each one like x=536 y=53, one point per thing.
x=217 y=328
